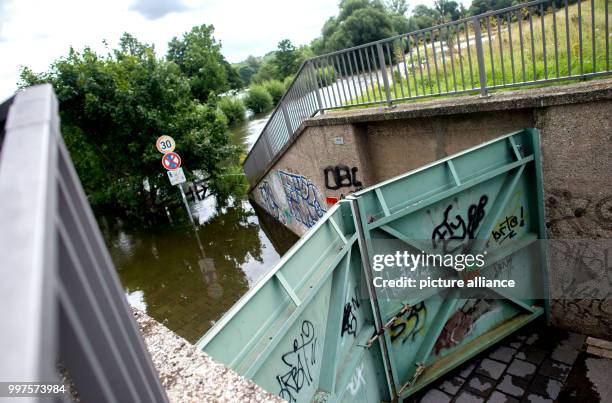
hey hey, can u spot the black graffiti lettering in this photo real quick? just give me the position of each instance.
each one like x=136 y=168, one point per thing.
x=506 y=229
x=349 y=320
x=341 y=176
x=198 y=190
x=299 y=359
x=409 y=324
x=447 y=231
x=356 y=182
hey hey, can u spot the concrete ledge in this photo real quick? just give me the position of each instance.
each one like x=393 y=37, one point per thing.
x=190 y=375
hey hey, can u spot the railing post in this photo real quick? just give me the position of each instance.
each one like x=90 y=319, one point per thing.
x=313 y=79
x=480 y=57
x=287 y=121
x=383 y=68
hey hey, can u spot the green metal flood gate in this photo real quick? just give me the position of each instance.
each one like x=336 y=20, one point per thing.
x=315 y=328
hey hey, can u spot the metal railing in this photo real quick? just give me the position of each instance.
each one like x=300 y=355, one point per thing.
x=60 y=296
x=526 y=44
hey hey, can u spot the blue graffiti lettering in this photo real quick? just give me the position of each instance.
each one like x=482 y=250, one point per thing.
x=303 y=198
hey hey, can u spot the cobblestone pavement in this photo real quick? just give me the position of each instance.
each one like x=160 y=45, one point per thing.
x=539 y=364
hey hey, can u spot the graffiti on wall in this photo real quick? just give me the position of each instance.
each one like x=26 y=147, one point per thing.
x=198 y=189
x=451 y=234
x=300 y=361
x=303 y=198
x=574 y=214
x=410 y=324
x=357 y=380
x=349 y=319
x=341 y=176
x=268 y=201
x=463 y=322
x=507 y=227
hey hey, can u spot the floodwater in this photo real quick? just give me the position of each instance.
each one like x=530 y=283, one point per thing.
x=187 y=277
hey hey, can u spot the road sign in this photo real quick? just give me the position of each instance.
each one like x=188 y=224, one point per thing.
x=165 y=144
x=171 y=161
x=176 y=176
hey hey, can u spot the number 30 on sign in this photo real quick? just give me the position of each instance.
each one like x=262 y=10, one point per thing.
x=165 y=144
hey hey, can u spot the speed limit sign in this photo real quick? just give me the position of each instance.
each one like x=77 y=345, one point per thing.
x=165 y=144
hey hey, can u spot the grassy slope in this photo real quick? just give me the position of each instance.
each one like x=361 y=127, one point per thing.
x=437 y=83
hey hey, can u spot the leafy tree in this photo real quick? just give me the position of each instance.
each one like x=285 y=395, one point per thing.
x=399 y=7
x=112 y=109
x=362 y=21
x=275 y=88
x=286 y=59
x=199 y=57
x=247 y=68
x=233 y=78
x=258 y=99
x=233 y=108
x=448 y=9
x=267 y=71
x=425 y=17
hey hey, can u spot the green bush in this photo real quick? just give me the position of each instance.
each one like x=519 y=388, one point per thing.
x=287 y=82
x=233 y=108
x=326 y=74
x=275 y=88
x=258 y=99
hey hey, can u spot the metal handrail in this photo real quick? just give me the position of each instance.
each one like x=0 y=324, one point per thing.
x=389 y=71
x=60 y=296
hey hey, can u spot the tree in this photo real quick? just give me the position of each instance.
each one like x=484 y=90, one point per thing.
x=267 y=71
x=199 y=57
x=424 y=16
x=247 y=68
x=399 y=7
x=233 y=78
x=112 y=109
x=358 y=22
x=285 y=59
x=448 y=9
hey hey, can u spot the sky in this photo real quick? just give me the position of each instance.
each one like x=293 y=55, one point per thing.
x=34 y=33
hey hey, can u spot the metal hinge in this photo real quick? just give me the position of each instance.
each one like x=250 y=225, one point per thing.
x=415 y=377
x=380 y=332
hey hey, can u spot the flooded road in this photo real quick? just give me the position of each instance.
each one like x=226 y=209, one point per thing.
x=187 y=276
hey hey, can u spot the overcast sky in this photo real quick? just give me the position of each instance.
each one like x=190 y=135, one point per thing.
x=34 y=33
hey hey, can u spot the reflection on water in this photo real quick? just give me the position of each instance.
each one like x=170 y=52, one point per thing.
x=186 y=277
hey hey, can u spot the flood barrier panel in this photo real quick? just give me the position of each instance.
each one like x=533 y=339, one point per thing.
x=317 y=328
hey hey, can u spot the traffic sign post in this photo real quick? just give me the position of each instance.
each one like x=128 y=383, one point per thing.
x=165 y=144
x=176 y=176
x=172 y=162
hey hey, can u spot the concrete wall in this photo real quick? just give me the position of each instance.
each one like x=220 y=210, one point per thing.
x=575 y=122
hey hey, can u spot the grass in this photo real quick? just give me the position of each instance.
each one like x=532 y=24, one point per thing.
x=533 y=64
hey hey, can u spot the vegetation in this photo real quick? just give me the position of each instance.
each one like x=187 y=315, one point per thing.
x=539 y=63
x=114 y=106
x=198 y=56
x=275 y=88
x=258 y=99
x=233 y=108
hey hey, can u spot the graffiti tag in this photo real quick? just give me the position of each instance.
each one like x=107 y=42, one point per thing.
x=303 y=198
x=342 y=176
x=459 y=230
x=300 y=360
x=349 y=320
x=410 y=324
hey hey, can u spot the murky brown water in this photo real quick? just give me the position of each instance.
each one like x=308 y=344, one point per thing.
x=187 y=276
